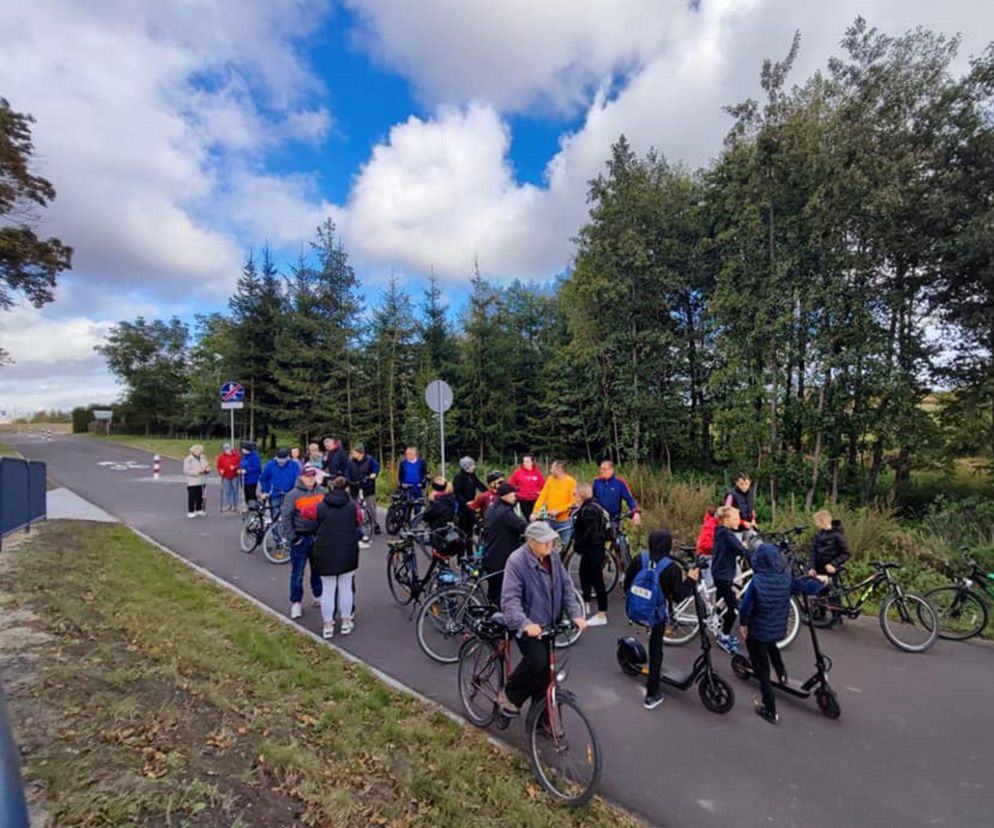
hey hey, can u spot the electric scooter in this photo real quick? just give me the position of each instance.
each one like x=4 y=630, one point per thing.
x=716 y=694
x=817 y=685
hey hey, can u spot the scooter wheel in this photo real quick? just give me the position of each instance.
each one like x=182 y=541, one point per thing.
x=630 y=656
x=828 y=704
x=716 y=693
x=741 y=667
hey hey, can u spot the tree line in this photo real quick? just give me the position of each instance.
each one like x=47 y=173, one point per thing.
x=792 y=308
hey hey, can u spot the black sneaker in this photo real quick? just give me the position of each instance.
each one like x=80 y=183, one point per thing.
x=376 y=529
x=653 y=701
x=766 y=714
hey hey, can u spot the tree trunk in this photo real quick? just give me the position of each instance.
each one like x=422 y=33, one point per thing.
x=816 y=460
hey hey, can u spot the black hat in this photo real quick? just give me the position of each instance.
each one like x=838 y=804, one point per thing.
x=660 y=544
x=493 y=476
x=505 y=489
x=281 y=453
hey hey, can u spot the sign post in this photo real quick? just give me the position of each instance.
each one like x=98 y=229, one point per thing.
x=438 y=396
x=232 y=398
x=105 y=415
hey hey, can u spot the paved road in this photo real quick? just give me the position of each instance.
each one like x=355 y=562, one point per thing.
x=913 y=746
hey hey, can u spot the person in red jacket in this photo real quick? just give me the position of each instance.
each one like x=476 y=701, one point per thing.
x=228 y=462
x=528 y=480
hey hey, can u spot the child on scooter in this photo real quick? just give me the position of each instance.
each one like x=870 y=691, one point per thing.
x=829 y=551
x=763 y=619
x=676 y=586
x=727 y=548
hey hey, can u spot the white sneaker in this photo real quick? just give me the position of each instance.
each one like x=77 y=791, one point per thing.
x=329 y=630
x=597 y=620
x=202 y=513
x=364 y=544
x=347 y=626
x=295 y=610
x=191 y=514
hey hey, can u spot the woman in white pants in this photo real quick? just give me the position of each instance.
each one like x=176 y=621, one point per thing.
x=335 y=555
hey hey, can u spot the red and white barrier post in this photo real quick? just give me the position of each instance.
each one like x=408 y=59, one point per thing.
x=155 y=467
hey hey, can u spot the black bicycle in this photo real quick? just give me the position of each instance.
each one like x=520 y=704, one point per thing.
x=908 y=620
x=405 y=505
x=960 y=607
x=405 y=584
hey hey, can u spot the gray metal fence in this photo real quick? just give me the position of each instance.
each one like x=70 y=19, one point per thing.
x=22 y=493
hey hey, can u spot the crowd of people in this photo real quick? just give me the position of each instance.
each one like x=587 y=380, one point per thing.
x=319 y=497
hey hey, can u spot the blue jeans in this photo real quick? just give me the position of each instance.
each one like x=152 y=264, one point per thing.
x=299 y=554
x=229 y=492
x=563 y=527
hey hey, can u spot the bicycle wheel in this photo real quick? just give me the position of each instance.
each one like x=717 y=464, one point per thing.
x=793 y=625
x=400 y=576
x=570 y=638
x=251 y=533
x=395 y=518
x=367 y=521
x=481 y=678
x=565 y=753
x=274 y=546
x=609 y=568
x=441 y=623
x=961 y=613
x=909 y=622
x=682 y=624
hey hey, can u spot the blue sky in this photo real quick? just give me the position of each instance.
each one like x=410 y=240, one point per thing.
x=434 y=132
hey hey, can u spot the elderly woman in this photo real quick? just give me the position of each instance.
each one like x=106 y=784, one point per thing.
x=195 y=470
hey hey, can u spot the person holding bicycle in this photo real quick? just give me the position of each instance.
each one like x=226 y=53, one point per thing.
x=502 y=531
x=724 y=559
x=413 y=472
x=465 y=486
x=829 y=551
x=557 y=499
x=298 y=530
x=336 y=461
x=279 y=476
x=591 y=531
x=362 y=471
x=536 y=593
x=610 y=491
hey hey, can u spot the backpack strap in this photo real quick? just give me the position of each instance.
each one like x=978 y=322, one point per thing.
x=646 y=564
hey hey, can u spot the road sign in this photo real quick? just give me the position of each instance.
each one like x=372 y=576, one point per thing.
x=232 y=392
x=232 y=406
x=438 y=395
x=102 y=414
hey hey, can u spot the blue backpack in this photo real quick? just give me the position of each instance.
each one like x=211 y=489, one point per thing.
x=645 y=603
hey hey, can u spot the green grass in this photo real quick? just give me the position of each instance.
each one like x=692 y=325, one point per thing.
x=154 y=668
x=175 y=448
x=8 y=451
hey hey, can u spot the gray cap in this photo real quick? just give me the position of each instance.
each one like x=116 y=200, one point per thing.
x=540 y=531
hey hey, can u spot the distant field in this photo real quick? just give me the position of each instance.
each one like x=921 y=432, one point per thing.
x=172 y=447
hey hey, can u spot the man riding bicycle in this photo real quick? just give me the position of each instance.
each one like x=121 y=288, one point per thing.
x=610 y=491
x=536 y=593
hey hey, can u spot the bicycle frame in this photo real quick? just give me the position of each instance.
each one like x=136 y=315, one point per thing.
x=865 y=588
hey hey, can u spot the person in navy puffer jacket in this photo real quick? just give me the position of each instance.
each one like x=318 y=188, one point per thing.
x=763 y=618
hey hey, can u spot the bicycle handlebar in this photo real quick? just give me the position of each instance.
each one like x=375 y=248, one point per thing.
x=556 y=629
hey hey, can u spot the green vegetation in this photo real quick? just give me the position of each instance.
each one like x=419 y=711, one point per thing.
x=162 y=699
x=176 y=448
x=774 y=311
x=8 y=451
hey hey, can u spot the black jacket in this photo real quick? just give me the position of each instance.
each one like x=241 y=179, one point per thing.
x=358 y=472
x=336 y=462
x=336 y=539
x=591 y=526
x=828 y=547
x=465 y=486
x=440 y=511
x=502 y=531
x=671 y=580
x=743 y=502
x=727 y=547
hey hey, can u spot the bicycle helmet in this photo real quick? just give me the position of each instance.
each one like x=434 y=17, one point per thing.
x=493 y=476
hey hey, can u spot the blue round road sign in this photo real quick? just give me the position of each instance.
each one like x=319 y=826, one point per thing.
x=232 y=392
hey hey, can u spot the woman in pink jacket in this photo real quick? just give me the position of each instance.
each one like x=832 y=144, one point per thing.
x=528 y=480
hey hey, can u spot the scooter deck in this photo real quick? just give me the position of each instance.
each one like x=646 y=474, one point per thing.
x=794 y=687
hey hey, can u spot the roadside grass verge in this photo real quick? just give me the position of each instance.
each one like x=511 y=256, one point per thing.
x=175 y=448
x=163 y=699
x=8 y=451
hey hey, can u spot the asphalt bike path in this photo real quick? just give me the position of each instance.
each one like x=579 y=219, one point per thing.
x=913 y=746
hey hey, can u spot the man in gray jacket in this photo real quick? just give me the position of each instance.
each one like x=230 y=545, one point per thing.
x=537 y=593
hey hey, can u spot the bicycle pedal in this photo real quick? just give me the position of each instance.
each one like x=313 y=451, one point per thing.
x=501 y=721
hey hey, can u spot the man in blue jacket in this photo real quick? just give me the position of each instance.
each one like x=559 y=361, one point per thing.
x=610 y=490
x=250 y=468
x=763 y=618
x=413 y=471
x=278 y=477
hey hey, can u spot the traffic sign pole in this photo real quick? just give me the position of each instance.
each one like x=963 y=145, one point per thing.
x=438 y=397
x=441 y=427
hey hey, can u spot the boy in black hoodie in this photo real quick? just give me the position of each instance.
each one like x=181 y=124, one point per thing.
x=829 y=551
x=727 y=549
x=676 y=586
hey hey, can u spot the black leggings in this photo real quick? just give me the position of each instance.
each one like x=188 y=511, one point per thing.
x=527 y=506
x=592 y=575
x=655 y=659
x=762 y=654
x=494 y=585
x=723 y=589
x=194 y=498
x=250 y=492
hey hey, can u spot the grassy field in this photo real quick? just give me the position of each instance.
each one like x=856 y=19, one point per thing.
x=8 y=451
x=148 y=696
x=172 y=447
